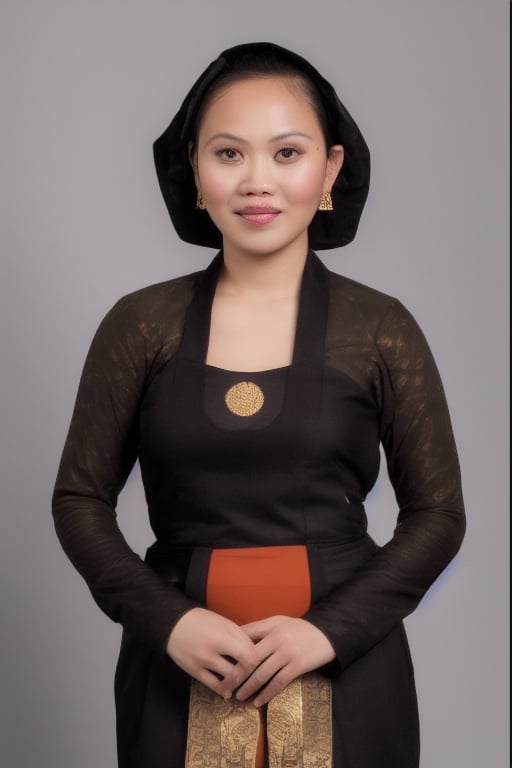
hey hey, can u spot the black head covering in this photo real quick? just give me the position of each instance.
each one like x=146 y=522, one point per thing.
x=330 y=229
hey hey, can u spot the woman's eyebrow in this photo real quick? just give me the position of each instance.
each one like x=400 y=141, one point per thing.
x=291 y=134
x=239 y=140
x=227 y=137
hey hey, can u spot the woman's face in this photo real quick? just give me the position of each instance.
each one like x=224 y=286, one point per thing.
x=261 y=164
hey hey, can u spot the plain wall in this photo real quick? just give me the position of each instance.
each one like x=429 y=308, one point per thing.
x=86 y=87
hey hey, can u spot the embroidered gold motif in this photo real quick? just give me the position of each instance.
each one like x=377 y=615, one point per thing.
x=224 y=734
x=221 y=734
x=244 y=398
x=299 y=724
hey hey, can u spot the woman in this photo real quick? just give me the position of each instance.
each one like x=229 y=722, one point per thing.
x=264 y=627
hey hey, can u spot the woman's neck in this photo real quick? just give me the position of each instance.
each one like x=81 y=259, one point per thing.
x=263 y=277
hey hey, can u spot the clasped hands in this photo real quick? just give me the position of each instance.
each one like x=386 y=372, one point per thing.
x=259 y=658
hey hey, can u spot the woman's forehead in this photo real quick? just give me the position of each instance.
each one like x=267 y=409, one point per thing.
x=272 y=101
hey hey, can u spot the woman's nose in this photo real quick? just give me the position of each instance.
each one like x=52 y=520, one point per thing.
x=257 y=179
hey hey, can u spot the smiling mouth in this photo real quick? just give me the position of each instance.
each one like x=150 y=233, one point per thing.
x=259 y=214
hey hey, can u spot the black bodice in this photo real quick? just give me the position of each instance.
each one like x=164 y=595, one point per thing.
x=296 y=471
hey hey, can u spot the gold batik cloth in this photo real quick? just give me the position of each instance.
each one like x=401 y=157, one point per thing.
x=224 y=734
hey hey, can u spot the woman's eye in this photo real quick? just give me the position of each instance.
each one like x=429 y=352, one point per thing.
x=228 y=154
x=287 y=153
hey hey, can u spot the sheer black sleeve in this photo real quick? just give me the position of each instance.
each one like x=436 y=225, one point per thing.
x=423 y=467
x=99 y=452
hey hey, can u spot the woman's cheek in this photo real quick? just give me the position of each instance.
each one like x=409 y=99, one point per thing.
x=306 y=183
x=216 y=183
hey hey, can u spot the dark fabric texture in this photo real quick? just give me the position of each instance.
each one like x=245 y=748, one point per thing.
x=331 y=229
x=362 y=374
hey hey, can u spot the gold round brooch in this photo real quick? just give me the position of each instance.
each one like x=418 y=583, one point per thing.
x=244 y=398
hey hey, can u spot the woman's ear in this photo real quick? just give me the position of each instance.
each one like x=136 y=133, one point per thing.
x=335 y=158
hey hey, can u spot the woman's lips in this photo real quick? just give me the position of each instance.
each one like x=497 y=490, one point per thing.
x=258 y=214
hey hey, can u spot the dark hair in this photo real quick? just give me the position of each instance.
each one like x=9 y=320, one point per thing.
x=260 y=64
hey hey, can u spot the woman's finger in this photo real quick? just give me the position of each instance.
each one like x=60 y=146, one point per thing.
x=275 y=686
x=205 y=645
x=289 y=647
x=256 y=630
x=261 y=676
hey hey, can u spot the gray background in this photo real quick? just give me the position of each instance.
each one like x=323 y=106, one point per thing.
x=87 y=86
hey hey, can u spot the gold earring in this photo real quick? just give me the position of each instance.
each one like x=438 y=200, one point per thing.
x=200 y=202
x=326 y=202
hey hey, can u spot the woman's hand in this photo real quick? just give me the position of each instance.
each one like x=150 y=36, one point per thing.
x=213 y=650
x=286 y=648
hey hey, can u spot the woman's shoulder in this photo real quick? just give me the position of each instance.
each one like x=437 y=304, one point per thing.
x=352 y=300
x=163 y=296
x=149 y=320
x=368 y=317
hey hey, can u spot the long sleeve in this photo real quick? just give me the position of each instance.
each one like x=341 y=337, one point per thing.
x=423 y=467
x=99 y=452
